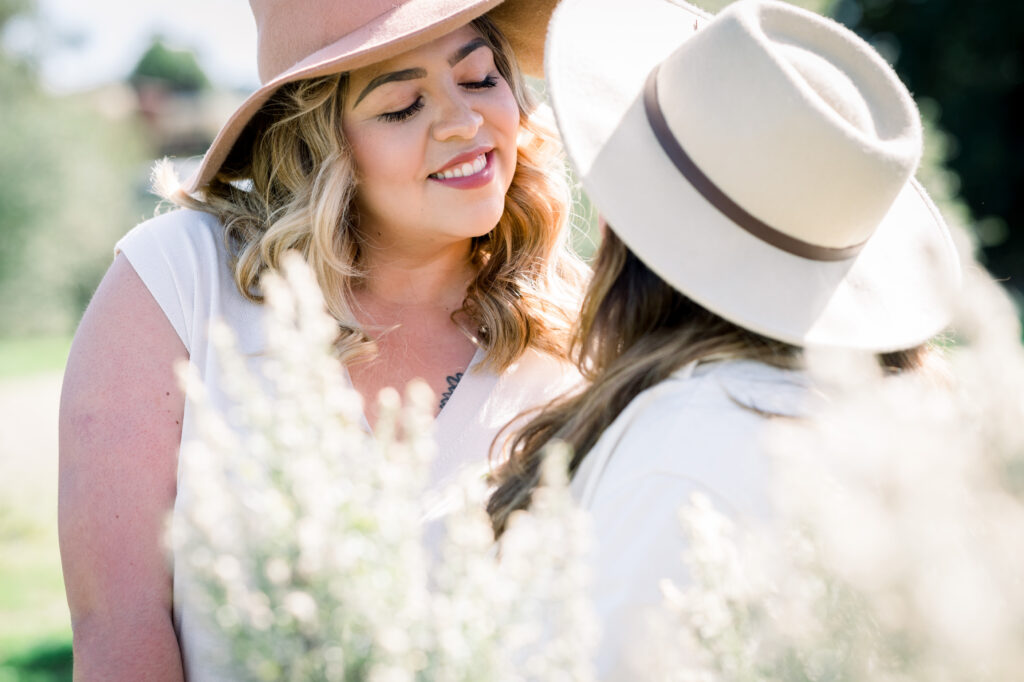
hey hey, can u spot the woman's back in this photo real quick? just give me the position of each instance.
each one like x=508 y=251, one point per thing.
x=699 y=431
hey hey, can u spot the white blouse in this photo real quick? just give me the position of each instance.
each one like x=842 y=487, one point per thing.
x=181 y=258
x=701 y=430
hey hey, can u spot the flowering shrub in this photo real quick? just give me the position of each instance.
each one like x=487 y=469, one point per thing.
x=896 y=553
x=304 y=533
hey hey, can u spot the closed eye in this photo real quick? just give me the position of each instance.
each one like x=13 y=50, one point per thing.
x=396 y=116
x=488 y=82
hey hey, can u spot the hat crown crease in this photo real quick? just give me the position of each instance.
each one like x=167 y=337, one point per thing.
x=796 y=123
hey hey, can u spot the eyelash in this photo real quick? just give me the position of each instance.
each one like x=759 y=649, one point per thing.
x=398 y=116
x=488 y=82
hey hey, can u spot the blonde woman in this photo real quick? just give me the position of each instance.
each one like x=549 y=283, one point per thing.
x=756 y=173
x=391 y=145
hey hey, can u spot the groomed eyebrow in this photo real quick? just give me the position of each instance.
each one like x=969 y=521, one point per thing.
x=466 y=50
x=412 y=74
x=404 y=75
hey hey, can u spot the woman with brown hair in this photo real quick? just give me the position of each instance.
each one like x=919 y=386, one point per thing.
x=755 y=171
x=392 y=145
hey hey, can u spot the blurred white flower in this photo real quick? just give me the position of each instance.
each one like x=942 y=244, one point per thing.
x=304 y=534
x=898 y=552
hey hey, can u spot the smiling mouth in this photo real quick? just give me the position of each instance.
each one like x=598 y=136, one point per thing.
x=464 y=170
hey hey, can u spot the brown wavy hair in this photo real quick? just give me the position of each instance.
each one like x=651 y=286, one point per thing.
x=289 y=185
x=633 y=332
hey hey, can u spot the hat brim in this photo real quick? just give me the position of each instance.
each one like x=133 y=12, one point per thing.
x=894 y=294
x=404 y=27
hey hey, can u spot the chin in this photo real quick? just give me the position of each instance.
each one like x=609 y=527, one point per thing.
x=488 y=225
x=477 y=223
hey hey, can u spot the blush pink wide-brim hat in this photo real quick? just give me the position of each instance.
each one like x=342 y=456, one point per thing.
x=760 y=161
x=300 y=39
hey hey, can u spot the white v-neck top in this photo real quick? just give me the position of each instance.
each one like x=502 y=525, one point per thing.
x=181 y=258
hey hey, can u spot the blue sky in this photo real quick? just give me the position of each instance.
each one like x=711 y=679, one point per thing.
x=84 y=44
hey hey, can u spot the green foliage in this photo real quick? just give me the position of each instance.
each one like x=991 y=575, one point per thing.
x=178 y=69
x=24 y=356
x=9 y=8
x=33 y=611
x=585 y=236
x=819 y=6
x=45 y=662
x=66 y=179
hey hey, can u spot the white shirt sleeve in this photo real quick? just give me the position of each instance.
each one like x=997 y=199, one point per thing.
x=175 y=255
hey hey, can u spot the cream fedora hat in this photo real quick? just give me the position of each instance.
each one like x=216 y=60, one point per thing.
x=307 y=38
x=759 y=161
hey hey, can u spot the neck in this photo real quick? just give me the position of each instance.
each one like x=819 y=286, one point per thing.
x=424 y=276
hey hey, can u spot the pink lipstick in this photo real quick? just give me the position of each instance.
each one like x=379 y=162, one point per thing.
x=467 y=171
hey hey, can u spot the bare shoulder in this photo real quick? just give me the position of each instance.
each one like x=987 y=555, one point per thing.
x=124 y=316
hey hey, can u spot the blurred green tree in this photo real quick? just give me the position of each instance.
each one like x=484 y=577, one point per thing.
x=819 y=6
x=67 y=179
x=10 y=8
x=178 y=70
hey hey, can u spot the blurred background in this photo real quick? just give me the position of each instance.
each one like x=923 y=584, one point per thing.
x=92 y=93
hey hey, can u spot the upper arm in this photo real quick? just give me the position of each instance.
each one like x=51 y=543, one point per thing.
x=120 y=429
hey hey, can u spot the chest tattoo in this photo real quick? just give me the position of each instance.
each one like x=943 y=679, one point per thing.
x=453 y=381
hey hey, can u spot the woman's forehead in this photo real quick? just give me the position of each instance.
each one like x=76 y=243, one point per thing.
x=445 y=47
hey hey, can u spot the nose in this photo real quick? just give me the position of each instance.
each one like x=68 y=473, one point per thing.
x=457 y=117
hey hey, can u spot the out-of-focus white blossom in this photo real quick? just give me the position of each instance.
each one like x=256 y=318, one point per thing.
x=555 y=630
x=898 y=552
x=303 y=533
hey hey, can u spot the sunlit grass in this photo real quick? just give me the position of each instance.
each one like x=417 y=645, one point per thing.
x=31 y=355
x=46 y=661
x=35 y=629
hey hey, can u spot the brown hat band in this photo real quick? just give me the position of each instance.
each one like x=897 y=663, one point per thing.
x=719 y=199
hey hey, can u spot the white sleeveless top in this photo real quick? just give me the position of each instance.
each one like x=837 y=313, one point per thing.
x=181 y=258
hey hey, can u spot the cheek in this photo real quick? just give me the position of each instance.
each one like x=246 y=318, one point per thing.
x=505 y=120
x=384 y=161
x=506 y=113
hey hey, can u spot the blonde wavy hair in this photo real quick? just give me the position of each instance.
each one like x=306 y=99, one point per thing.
x=289 y=185
x=633 y=332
